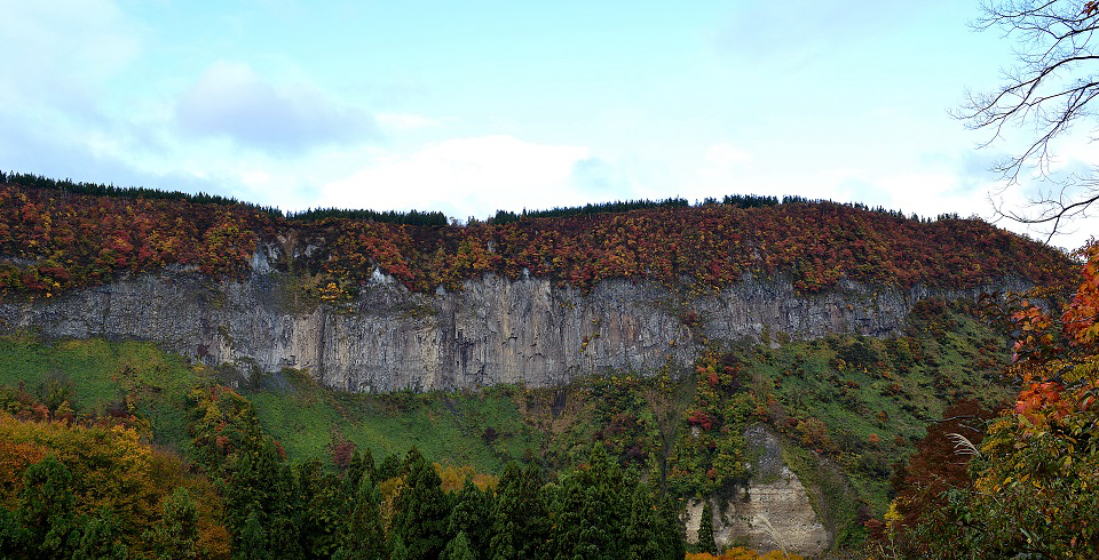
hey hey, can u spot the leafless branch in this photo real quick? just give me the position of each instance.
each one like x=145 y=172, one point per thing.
x=1051 y=88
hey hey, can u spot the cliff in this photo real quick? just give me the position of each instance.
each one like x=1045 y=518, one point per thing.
x=493 y=330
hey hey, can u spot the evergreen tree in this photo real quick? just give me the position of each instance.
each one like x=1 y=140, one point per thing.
x=397 y=549
x=98 y=538
x=325 y=504
x=14 y=538
x=593 y=512
x=654 y=529
x=361 y=466
x=520 y=518
x=363 y=537
x=458 y=549
x=390 y=467
x=251 y=543
x=46 y=505
x=421 y=509
x=706 y=541
x=472 y=515
x=258 y=482
x=176 y=536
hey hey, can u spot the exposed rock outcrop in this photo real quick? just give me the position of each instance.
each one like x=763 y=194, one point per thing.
x=494 y=330
x=774 y=511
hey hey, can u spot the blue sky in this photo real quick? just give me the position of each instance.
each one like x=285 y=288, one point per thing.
x=473 y=106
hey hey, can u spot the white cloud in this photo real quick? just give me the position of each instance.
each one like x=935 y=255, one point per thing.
x=464 y=177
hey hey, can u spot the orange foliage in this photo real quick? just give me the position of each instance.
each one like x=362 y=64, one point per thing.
x=741 y=553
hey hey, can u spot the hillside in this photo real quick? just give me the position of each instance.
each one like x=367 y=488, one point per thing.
x=769 y=363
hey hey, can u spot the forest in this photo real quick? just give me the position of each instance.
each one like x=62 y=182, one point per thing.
x=58 y=238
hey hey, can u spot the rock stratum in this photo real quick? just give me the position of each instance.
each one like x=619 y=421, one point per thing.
x=493 y=330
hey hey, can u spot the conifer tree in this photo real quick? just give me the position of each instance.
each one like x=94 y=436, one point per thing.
x=706 y=541
x=594 y=510
x=472 y=515
x=361 y=465
x=175 y=537
x=520 y=517
x=251 y=543
x=363 y=537
x=46 y=505
x=98 y=538
x=324 y=507
x=458 y=549
x=421 y=510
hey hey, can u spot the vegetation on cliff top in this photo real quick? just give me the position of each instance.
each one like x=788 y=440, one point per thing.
x=56 y=239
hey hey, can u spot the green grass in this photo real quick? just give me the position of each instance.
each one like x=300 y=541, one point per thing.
x=895 y=403
x=101 y=373
x=445 y=427
x=304 y=417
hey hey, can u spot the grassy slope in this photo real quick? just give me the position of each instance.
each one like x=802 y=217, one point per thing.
x=304 y=417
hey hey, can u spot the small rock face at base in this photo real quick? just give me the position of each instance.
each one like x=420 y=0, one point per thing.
x=772 y=513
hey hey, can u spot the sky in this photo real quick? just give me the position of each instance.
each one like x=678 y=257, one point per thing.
x=469 y=107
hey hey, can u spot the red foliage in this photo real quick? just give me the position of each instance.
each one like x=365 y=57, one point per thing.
x=701 y=419
x=51 y=241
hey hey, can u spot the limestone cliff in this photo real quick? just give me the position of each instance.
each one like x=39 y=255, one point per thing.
x=492 y=331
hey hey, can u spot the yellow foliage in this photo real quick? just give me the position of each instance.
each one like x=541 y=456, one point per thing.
x=111 y=468
x=453 y=478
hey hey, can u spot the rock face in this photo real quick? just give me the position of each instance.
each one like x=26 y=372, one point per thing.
x=493 y=331
x=772 y=513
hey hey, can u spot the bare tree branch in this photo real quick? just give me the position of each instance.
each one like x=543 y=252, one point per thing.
x=1051 y=88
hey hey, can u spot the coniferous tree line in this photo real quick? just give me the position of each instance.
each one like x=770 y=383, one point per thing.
x=434 y=218
x=398 y=509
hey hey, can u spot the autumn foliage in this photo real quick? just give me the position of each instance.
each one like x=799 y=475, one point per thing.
x=741 y=553
x=1031 y=484
x=52 y=240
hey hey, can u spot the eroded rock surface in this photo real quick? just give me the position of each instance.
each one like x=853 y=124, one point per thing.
x=492 y=331
x=773 y=513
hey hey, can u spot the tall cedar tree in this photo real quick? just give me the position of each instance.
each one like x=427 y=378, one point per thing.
x=422 y=510
x=458 y=549
x=520 y=519
x=472 y=515
x=323 y=509
x=363 y=537
x=706 y=541
x=175 y=537
x=593 y=511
